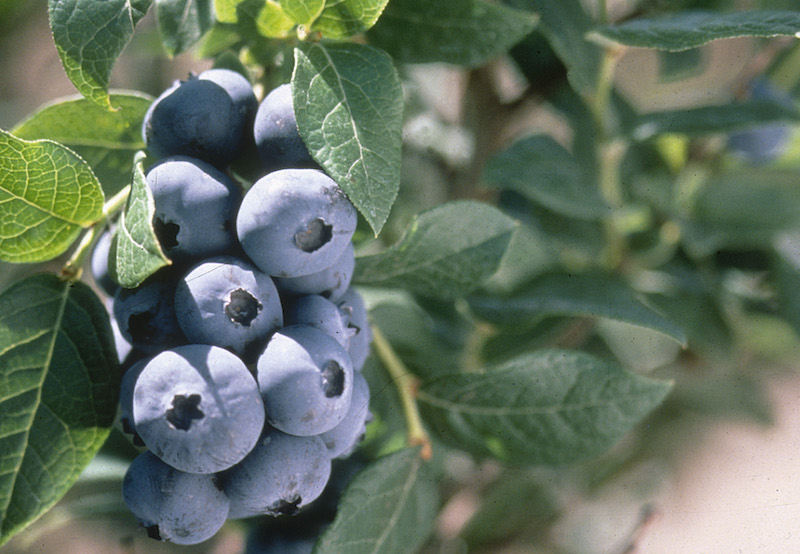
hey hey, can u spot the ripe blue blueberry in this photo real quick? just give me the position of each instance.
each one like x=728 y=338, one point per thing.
x=238 y=88
x=198 y=408
x=196 y=118
x=331 y=282
x=146 y=315
x=351 y=304
x=99 y=264
x=294 y=222
x=317 y=311
x=306 y=380
x=195 y=208
x=275 y=131
x=174 y=506
x=228 y=302
x=282 y=474
x=126 y=388
x=343 y=439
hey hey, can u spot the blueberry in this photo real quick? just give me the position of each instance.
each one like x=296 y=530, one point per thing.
x=196 y=118
x=198 y=408
x=228 y=302
x=295 y=222
x=317 y=311
x=183 y=508
x=195 y=207
x=275 y=131
x=99 y=264
x=238 y=88
x=306 y=380
x=331 y=282
x=123 y=345
x=351 y=304
x=126 y=388
x=146 y=315
x=343 y=439
x=282 y=474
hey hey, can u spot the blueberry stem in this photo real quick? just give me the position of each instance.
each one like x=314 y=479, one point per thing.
x=406 y=385
x=74 y=266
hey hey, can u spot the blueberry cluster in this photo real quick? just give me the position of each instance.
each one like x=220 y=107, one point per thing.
x=250 y=344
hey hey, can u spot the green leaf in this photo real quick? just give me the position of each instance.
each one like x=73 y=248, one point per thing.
x=181 y=23
x=303 y=12
x=47 y=195
x=547 y=407
x=106 y=140
x=226 y=10
x=412 y=332
x=266 y=17
x=446 y=252
x=565 y=24
x=786 y=268
x=349 y=107
x=135 y=253
x=574 y=294
x=463 y=32
x=58 y=392
x=542 y=170
x=712 y=119
x=345 y=18
x=389 y=507
x=691 y=29
x=89 y=36
x=512 y=504
x=745 y=208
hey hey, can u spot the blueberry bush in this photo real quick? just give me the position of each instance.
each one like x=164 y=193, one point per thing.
x=314 y=296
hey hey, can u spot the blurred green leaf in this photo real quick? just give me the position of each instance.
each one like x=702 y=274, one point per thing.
x=712 y=119
x=542 y=170
x=691 y=29
x=389 y=507
x=135 y=253
x=58 y=392
x=412 y=332
x=787 y=276
x=47 y=195
x=447 y=251
x=89 y=36
x=514 y=502
x=574 y=294
x=546 y=407
x=743 y=208
x=349 y=107
x=565 y=24
x=345 y=18
x=462 y=32
x=106 y=140
x=225 y=10
x=181 y=23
